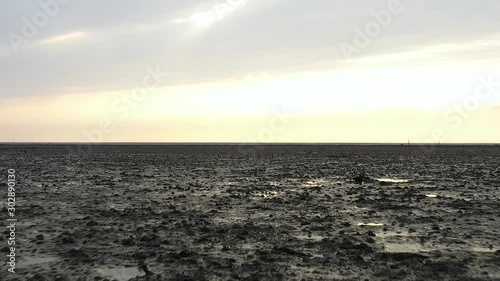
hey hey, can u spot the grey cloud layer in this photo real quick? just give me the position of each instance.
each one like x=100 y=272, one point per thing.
x=122 y=37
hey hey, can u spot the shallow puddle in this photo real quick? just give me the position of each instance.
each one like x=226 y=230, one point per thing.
x=386 y=234
x=248 y=246
x=311 y=237
x=317 y=256
x=316 y=183
x=121 y=273
x=403 y=248
x=36 y=260
x=389 y=180
x=371 y=224
x=484 y=250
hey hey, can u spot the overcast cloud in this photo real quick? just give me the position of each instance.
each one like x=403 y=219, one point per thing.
x=106 y=45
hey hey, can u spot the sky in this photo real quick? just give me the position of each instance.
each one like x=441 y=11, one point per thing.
x=250 y=71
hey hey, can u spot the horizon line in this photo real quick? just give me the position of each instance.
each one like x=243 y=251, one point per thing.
x=248 y=143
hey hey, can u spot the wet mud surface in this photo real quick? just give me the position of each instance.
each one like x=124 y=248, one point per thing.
x=287 y=213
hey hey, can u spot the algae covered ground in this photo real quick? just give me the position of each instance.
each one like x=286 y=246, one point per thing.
x=285 y=212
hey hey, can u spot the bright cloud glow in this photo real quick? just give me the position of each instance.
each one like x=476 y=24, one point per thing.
x=69 y=37
x=437 y=53
x=226 y=66
x=204 y=19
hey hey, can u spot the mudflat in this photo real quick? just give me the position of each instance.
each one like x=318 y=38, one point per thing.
x=285 y=212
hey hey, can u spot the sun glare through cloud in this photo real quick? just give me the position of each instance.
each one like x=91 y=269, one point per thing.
x=204 y=19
